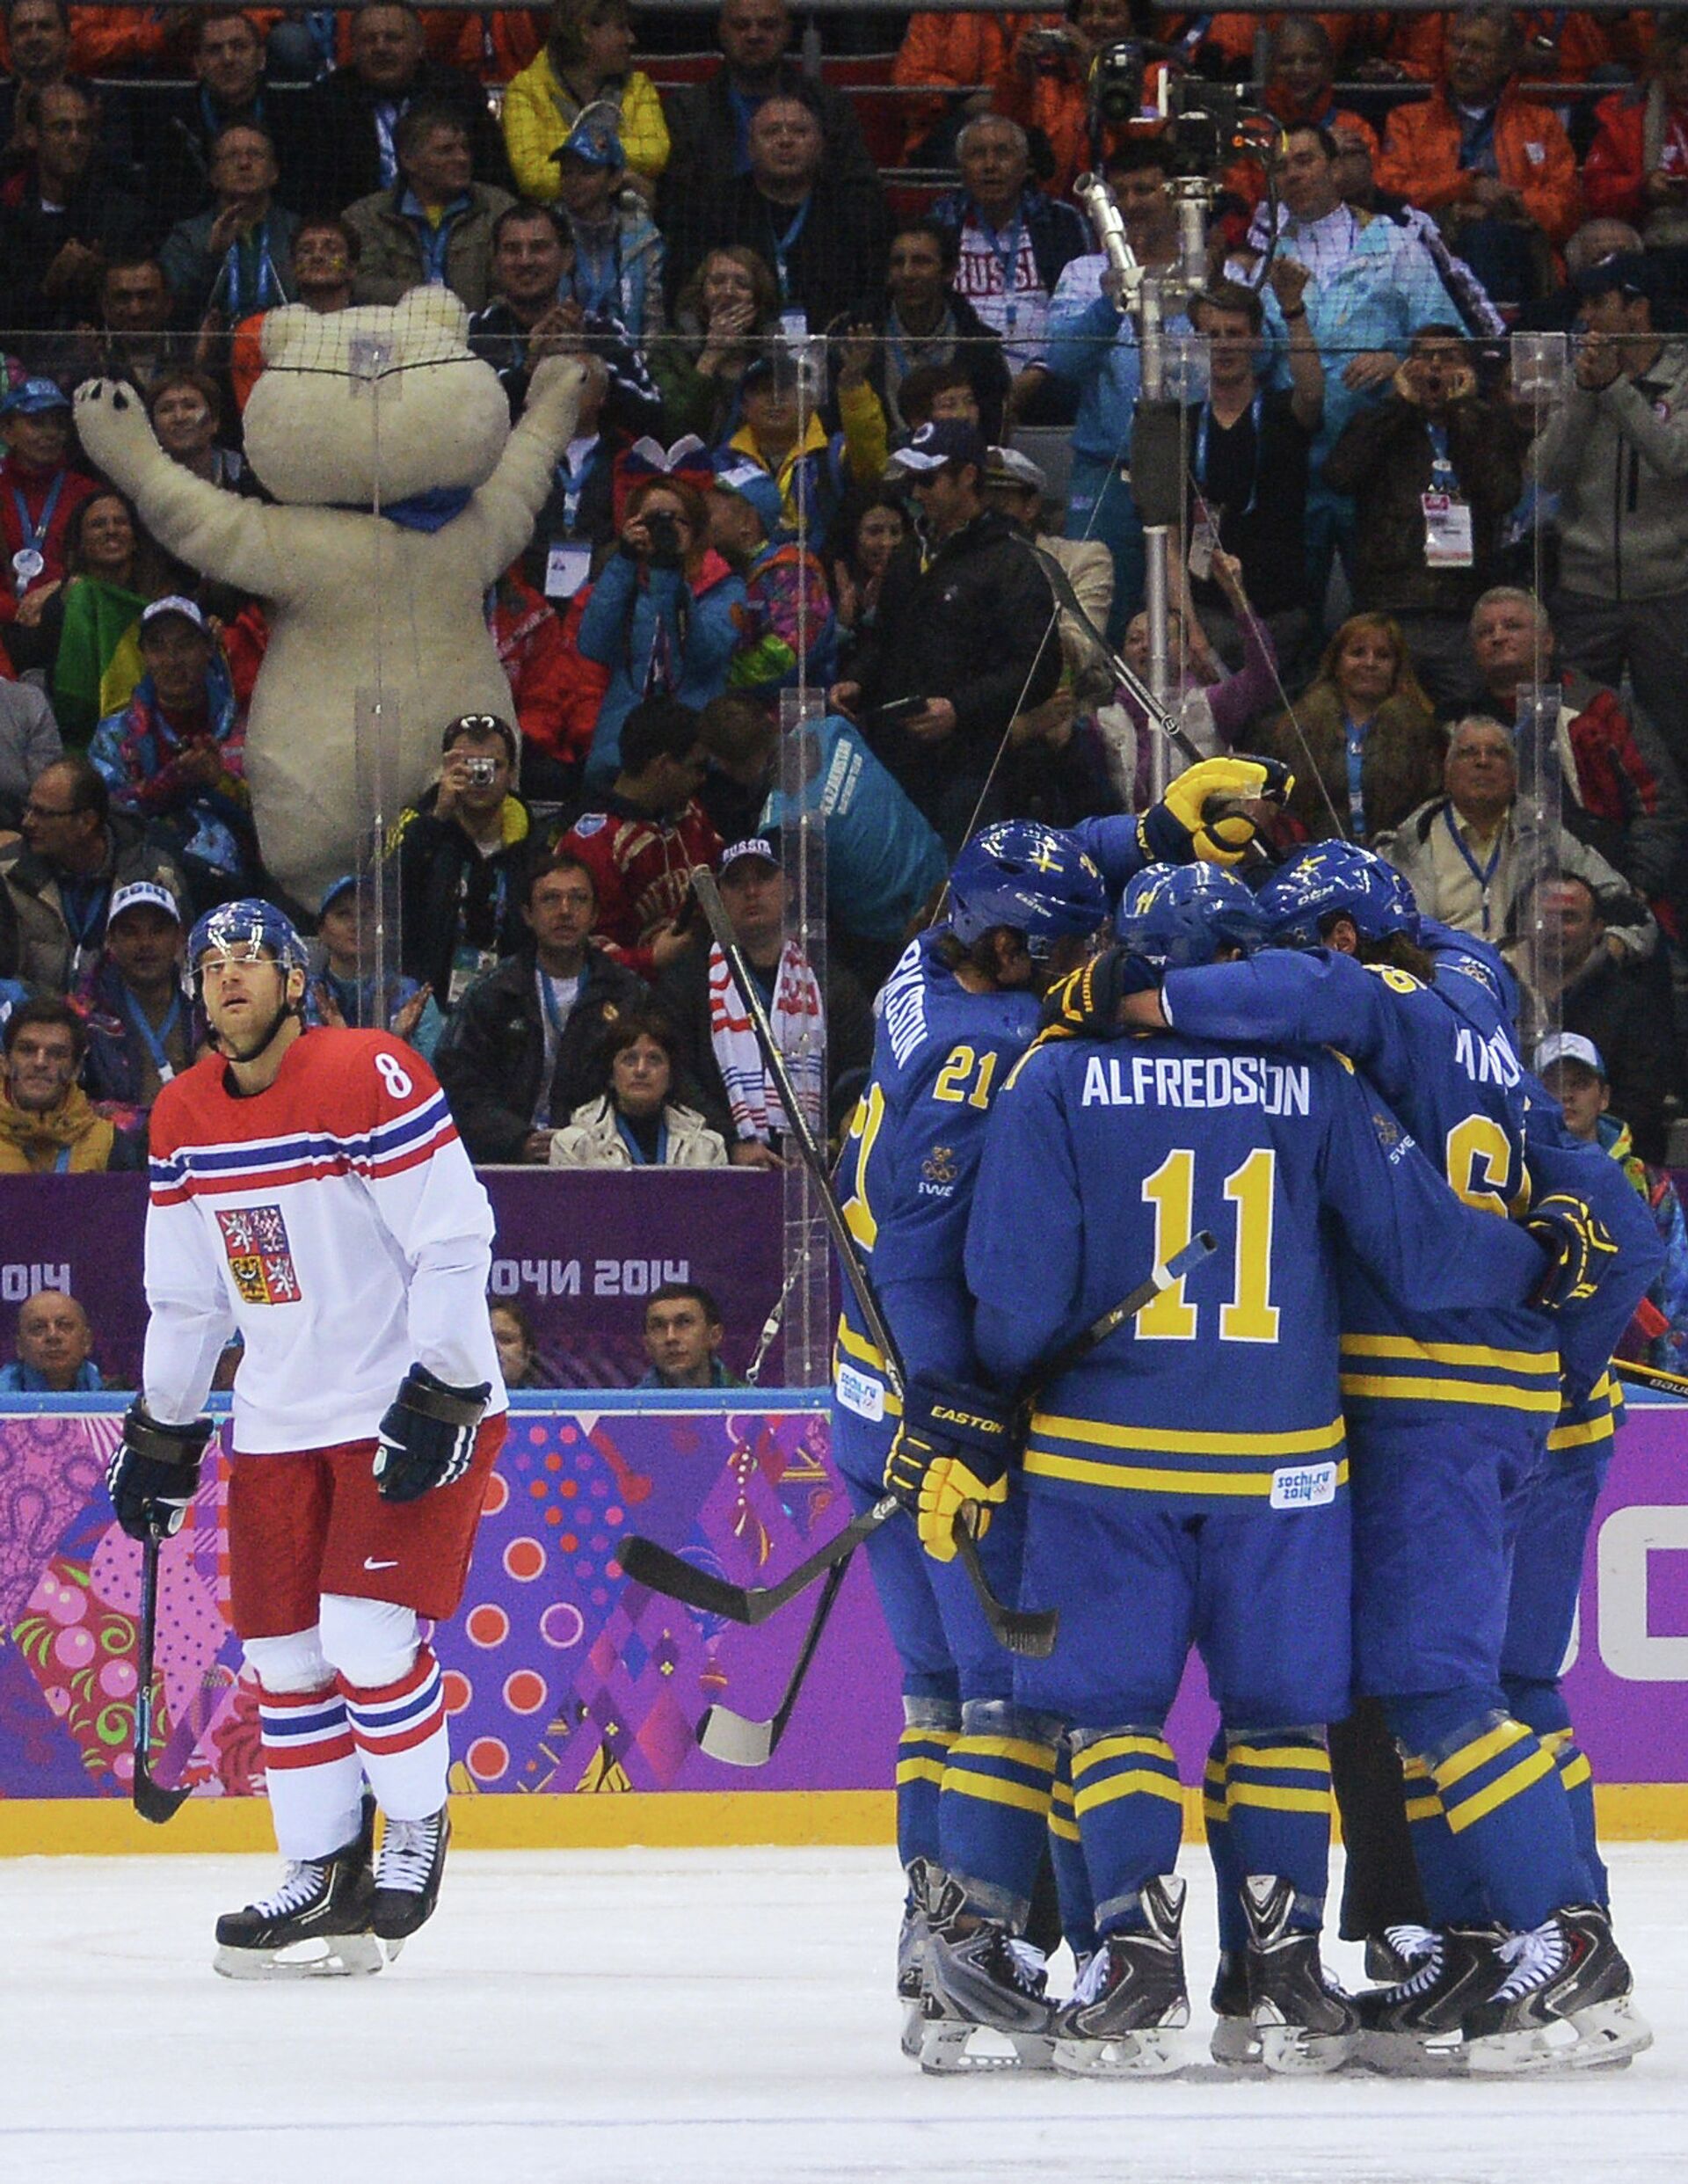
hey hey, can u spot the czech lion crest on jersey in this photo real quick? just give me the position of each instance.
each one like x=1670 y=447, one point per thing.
x=255 y=1238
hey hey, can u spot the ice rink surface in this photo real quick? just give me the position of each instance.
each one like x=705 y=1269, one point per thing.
x=696 y=2017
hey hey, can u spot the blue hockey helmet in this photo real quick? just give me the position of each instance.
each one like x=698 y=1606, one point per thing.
x=1179 y=916
x=1034 y=879
x=247 y=928
x=1331 y=879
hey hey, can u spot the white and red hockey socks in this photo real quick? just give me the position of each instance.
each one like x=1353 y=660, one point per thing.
x=311 y=1770
x=399 y=1731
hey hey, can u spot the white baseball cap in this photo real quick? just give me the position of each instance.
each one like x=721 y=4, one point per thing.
x=134 y=892
x=1568 y=1046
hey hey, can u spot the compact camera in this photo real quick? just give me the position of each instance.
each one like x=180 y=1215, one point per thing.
x=664 y=534
x=482 y=772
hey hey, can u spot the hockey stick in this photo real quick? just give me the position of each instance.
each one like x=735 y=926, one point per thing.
x=664 y=1572
x=1001 y=1619
x=740 y=1741
x=1651 y=1376
x=152 y=1801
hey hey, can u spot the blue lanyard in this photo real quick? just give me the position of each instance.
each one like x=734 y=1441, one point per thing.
x=154 y=1041
x=34 y=533
x=548 y=1002
x=595 y=281
x=632 y=1143
x=1202 y=432
x=434 y=241
x=573 y=482
x=1007 y=263
x=62 y=1165
x=1483 y=874
x=782 y=244
x=1442 y=476
x=82 y=925
x=266 y=287
x=1355 y=733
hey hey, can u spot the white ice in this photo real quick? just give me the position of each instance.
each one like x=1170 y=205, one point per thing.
x=694 y=2018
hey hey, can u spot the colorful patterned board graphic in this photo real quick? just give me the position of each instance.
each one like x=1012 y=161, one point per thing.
x=560 y=1676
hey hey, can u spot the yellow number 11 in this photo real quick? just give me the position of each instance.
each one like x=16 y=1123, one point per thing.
x=1250 y=1316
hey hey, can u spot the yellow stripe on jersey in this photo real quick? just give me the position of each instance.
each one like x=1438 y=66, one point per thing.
x=1262 y=1794
x=1107 y=1747
x=1137 y=1782
x=1171 y=1441
x=994 y=1791
x=1469 y=1810
x=1142 y=1479
x=1476 y=1754
x=1488 y=1393
x=1021 y=1752
x=919 y=1770
x=1537 y=1363
x=1304 y=1757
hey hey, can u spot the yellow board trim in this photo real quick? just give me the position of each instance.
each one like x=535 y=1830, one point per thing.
x=1541 y=1365
x=96 y=1827
x=1137 y=1781
x=1485 y=1393
x=1264 y=1795
x=1171 y=1441
x=991 y=1789
x=1298 y=1756
x=1139 y=1479
x=1478 y=1753
x=1471 y=1809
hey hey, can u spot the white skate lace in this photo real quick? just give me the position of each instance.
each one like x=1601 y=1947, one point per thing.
x=301 y=1885
x=1026 y=1961
x=1411 y=1944
x=1536 y=1958
x=407 y=1852
x=1430 y=1969
x=1093 y=1980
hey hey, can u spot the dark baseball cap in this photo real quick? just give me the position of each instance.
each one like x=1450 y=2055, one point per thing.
x=942 y=441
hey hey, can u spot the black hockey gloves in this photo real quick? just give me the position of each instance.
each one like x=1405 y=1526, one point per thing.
x=427 y=1436
x=155 y=1472
x=1202 y=813
x=1085 y=1004
x=1580 y=1247
x=952 y=1446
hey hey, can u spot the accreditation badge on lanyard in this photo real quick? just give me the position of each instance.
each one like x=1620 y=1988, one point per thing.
x=1447 y=518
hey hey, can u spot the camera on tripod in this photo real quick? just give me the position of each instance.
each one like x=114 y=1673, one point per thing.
x=1202 y=121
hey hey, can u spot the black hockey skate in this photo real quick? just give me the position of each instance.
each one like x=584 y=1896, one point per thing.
x=1417 y=2028
x=1396 y=1952
x=407 y=1877
x=1129 y=2014
x=315 y=1925
x=911 y=1950
x=1234 y=2040
x=983 y=2003
x=1565 y=2001
x=1306 y=2025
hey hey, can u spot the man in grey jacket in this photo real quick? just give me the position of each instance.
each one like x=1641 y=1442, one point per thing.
x=434 y=226
x=1616 y=453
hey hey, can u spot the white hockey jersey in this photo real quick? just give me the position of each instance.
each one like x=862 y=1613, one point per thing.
x=336 y=1221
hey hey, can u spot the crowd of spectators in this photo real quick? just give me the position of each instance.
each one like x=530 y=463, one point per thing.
x=865 y=362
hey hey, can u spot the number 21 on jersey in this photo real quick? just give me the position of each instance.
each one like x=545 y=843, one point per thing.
x=1249 y=1315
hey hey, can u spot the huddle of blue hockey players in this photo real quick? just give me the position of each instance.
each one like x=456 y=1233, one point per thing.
x=1351 y=1457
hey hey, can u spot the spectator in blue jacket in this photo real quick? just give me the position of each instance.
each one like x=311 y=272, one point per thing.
x=663 y=615
x=55 y=1348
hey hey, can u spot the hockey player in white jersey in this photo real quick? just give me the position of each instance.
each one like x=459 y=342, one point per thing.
x=310 y=1190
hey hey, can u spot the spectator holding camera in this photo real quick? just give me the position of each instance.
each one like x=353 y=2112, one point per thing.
x=1433 y=469
x=1637 y=167
x=662 y=617
x=637 y=1120
x=464 y=850
x=55 y=1347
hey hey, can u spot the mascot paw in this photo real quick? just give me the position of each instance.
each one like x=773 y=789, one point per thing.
x=112 y=424
x=558 y=386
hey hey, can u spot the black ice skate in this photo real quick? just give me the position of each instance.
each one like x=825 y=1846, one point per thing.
x=316 y=1925
x=1234 y=2042
x=983 y=2003
x=1130 y=2011
x=1565 y=2001
x=407 y=1877
x=1396 y=1952
x=1307 y=2026
x=923 y=1881
x=1417 y=2028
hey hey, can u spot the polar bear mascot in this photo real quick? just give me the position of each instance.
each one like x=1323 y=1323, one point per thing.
x=403 y=493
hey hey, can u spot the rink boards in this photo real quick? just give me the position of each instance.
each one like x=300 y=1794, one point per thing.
x=574 y=1695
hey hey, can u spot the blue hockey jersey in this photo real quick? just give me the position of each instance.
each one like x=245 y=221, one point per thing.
x=1103 y=1160
x=1443 y=1060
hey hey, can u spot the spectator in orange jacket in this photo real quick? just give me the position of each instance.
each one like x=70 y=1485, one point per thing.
x=1045 y=85
x=1301 y=77
x=1637 y=167
x=963 y=53
x=1562 y=45
x=1499 y=173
